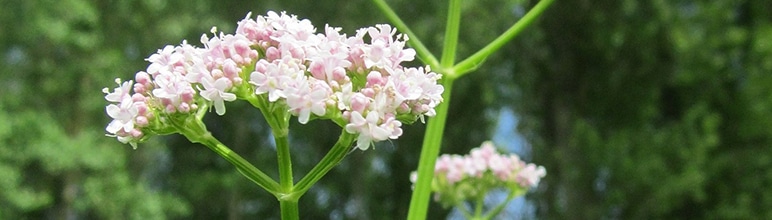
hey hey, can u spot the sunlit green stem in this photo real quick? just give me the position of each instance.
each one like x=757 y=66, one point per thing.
x=285 y=163
x=278 y=120
x=479 y=204
x=419 y=202
x=472 y=62
x=278 y=117
x=196 y=132
x=333 y=157
x=451 y=35
x=288 y=204
x=289 y=209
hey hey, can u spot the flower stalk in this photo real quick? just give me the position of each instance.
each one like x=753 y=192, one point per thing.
x=289 y=209
x=195 y=131
x=475 y=60
x=333 y=158
x=419 y=201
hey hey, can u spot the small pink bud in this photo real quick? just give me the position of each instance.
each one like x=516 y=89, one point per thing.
x=142 y=108
x=171 y=109
x=138 y=97
x=297 y=53
x=230 y=69
x=359 y=102
x=188 y=96
x=339 y=74
x=317 y=70
x=184 y=108
x=375 y=78
x=261 y=66
x=334 y=85
x=237 y=81
x=369 y=92
x=139 y=88
x=346 y=115
x=149 y=116
x=136 y=133
x=142 y=77
x=237 y=58
x=403 y=108
x=272 y=53
x=217 y=73
x=142 y=121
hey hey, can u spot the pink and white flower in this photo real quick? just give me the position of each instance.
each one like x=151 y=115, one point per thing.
x=482 y=167
x=216 y=92
x=283 y=59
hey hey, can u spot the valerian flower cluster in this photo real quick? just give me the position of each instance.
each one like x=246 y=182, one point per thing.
x=468 y=177
x=357 y=81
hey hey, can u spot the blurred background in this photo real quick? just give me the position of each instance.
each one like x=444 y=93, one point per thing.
x=638 y=110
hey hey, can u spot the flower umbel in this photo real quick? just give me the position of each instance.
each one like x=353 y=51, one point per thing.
x=458 y=178
x=357 y=81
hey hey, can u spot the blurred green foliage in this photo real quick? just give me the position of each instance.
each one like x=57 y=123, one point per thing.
x=650 y=110
x=638 y=110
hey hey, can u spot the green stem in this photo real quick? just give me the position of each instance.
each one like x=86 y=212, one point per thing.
x=196 y=132
x=472 y=62
x=278 y=119
x=419 y=202
x=285 y=163
x=478 y=208
x=289 y=209
x=423 y=53
x=333 y=157
x=451 y=34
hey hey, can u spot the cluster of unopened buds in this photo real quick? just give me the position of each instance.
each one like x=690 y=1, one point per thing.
x=458 y=178
x=356 y=81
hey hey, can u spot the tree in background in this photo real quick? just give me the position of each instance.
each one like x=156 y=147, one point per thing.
x=54 y=161
x=650 y=109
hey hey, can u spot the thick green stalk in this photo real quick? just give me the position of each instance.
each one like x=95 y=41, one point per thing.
x=479 y=204
x=289 y=209
x=419 y=202
x=278 y=119
x=423 y=53
x=451 y=35
x=196 y=132
x=285 y=163
x=472 y=62
x=333 y=157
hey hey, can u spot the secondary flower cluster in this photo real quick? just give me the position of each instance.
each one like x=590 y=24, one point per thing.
x=279 y=58
x=458 y=178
